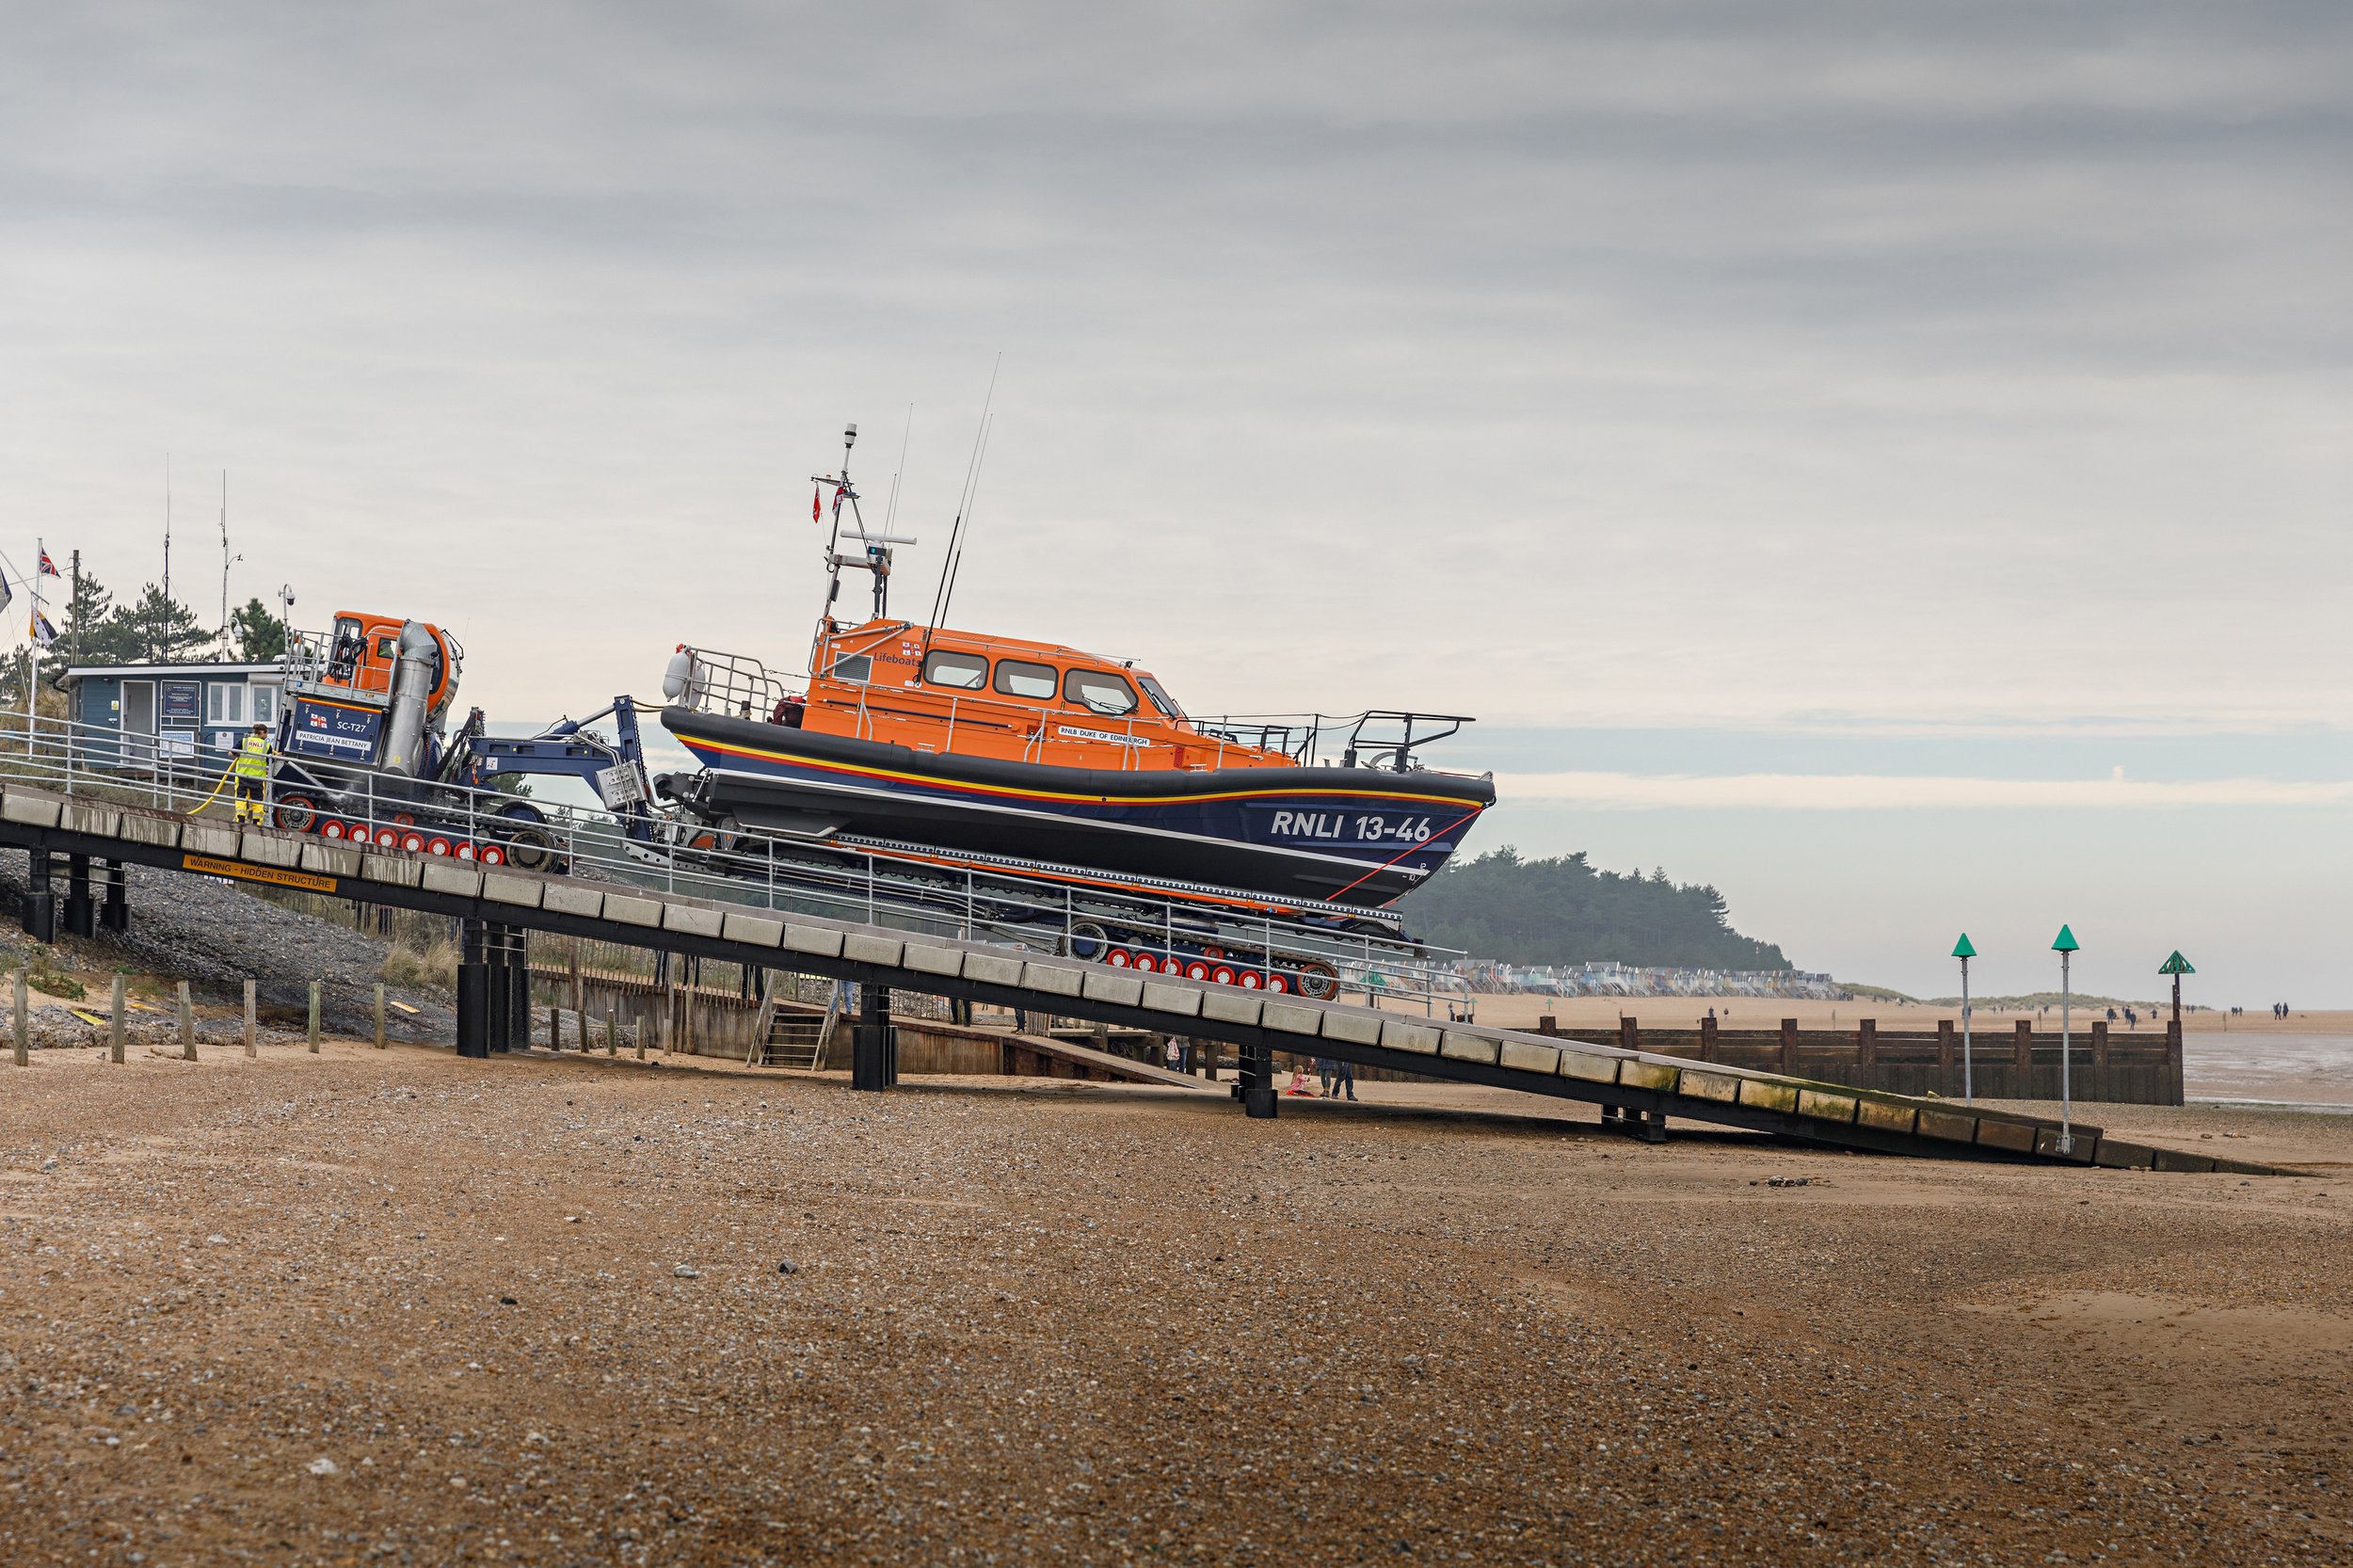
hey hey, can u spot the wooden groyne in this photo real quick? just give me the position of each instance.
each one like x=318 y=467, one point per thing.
x=2136 y=1067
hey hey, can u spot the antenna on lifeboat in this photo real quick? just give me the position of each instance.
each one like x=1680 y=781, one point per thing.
x=954 y=558
x=873 y=552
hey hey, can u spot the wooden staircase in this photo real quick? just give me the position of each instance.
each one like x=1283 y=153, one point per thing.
x=793 y=1040
x=785 y=1037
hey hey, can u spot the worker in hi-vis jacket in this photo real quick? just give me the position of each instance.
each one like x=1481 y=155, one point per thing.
x=252 y=769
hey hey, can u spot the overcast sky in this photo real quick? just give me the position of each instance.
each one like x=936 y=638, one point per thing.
x=1823 y=443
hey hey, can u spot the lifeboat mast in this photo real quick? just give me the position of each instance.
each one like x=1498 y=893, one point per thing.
x=873 y=550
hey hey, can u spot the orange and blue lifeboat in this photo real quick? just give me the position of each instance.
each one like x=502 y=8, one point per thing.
x=957 y=742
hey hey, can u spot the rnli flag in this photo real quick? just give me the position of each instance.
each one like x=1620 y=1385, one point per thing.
x=42 y=633
x=48 y=566
x=7 y=593
x=817 y=505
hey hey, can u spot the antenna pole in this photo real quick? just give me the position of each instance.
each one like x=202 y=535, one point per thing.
x=167 y=525
x=224 y=559
x=964 y=504
x=890 y=513
x=956 y=567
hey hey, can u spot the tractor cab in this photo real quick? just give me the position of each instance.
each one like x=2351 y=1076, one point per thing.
x=362 y=652
x=341 y=687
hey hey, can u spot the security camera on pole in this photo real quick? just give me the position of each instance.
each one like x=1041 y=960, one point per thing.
x=1964 y=952
x=2066 y=947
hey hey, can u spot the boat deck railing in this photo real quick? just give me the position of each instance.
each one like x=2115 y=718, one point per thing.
x=1383 y=737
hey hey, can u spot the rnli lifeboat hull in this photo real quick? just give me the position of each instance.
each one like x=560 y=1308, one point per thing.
x=1352 y=836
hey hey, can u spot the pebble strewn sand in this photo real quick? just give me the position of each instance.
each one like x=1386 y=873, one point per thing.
x=394 y=1307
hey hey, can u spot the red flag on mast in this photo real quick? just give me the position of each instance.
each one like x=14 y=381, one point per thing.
x=816 y=505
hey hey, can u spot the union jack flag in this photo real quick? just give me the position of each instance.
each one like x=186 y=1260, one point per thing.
x=48 y=566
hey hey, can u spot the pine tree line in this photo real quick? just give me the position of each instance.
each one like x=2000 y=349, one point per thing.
x=1564 y=911
x=152 y=628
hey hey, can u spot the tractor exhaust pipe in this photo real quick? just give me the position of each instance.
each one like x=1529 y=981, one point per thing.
x=413 y=684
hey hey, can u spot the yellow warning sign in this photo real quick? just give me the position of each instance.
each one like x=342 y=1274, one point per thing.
x=273 y=875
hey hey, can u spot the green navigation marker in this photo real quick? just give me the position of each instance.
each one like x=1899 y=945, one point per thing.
x=1964 y=951
x=2177 y=966
x=2067 y=947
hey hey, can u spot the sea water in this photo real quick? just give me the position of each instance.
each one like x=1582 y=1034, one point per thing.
x=2264 y=1067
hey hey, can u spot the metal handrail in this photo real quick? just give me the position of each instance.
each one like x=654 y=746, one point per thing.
x=851 y=883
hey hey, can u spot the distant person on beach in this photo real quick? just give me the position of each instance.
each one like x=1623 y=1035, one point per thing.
x=1326 y=1067
x=1343 y=1077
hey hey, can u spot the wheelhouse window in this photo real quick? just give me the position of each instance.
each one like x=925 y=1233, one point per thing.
x=965 y=672
x=1160 y=696
x=1019 y=678
x=1100 y=691
x=857 y=666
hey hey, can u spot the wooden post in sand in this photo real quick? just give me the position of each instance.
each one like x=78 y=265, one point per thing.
x=23 y=1018
x=315 y=1017
x=252 y=1045
x=187 y=1024
x=114 y=1024
x=379 y=1017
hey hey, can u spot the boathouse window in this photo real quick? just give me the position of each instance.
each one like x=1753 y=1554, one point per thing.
x=1019 y=678
x=1100 y=690
x=857 y=666
x=1160 y=696
x=965 y=672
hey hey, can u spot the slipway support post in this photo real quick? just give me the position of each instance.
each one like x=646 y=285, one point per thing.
x=498 y=977
x=518 y=988
x=1257 y=1089
x=116 y=912
x=873 y=1055
x=81 y=919
x=473 y=979
x=40 y=904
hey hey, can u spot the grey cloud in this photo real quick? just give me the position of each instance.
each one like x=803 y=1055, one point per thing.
x=1661 y=335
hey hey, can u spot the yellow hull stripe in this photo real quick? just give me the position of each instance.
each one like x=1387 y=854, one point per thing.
x=1075 y=799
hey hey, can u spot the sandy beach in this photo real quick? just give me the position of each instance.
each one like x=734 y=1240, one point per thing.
x=396 y=1307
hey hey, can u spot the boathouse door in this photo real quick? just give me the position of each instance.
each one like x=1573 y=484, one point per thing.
x=138 y=723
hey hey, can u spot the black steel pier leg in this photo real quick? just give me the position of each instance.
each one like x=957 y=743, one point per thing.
x=498 y=1014
x=1258 y=1098
x=518 y=988
x=81 y=916
x=1654 y=1126
x=40 y=905
x=472 y=1026
x=116 y=914
x=871 y=1058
